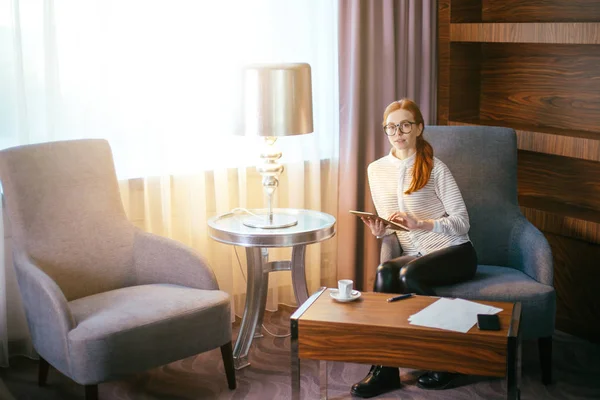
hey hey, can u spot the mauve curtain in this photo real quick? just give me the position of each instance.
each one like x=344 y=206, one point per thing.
x=386 y=52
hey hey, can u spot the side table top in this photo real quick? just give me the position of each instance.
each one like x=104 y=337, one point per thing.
x=312 y=227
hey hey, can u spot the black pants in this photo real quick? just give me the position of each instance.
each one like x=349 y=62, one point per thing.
x=410 y=274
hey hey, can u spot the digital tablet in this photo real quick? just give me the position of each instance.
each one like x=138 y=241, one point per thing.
x=392 y=225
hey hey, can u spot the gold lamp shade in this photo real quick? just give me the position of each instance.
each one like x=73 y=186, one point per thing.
x=277 y=102
x=278 y=99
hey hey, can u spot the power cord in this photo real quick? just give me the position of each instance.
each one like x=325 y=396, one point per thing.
x=233 y=211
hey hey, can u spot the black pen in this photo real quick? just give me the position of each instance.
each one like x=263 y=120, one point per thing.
x=401 y=297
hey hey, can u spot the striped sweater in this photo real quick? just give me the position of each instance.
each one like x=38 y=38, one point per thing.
x=440 y=200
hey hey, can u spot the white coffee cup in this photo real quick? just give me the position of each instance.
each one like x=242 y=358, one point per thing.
x=345 y=288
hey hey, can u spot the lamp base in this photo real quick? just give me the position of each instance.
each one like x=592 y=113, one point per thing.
x=262 y=221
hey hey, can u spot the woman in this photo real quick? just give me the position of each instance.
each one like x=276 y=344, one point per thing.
x=415 y=189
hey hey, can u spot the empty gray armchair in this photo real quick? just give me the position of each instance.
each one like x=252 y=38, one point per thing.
x=515 y=260
x=103 y=299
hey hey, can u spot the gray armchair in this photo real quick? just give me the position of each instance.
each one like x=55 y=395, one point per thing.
x=103 y=299
x=515 y=260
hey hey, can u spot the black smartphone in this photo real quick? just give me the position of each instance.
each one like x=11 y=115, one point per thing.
x=488 y=322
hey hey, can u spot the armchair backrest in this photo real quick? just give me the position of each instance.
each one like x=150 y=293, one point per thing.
x=64 y=207
x=483 y=161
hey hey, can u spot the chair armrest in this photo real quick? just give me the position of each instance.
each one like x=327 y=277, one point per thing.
x=390 y=248
x=47 y=310
x=529 y=252
x=161 y=260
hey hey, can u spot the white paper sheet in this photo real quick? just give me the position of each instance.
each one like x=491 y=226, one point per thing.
x=457 y=315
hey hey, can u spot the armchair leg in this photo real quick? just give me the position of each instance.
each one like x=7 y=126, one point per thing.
x=91 y=392
x=43 y=372
x=545 y=350
x=227 y=354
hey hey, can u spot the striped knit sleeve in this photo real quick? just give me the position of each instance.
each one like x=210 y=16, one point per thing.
x=379 y=183
x=456 y=221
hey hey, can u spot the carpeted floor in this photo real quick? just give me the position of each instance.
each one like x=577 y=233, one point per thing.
x=576 y=372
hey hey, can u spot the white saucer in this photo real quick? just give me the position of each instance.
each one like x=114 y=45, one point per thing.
x=333 y=293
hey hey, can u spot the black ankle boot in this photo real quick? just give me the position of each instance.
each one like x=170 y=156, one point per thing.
x=436 y=380
x=379 y=380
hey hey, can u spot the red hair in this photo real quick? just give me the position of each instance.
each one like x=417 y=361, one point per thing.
x=424 y=157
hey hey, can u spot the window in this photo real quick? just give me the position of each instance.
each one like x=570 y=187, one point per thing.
x=159 y=79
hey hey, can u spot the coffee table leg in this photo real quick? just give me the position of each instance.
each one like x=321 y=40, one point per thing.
x=323 y=379
x=295 y=367
x=512 y=368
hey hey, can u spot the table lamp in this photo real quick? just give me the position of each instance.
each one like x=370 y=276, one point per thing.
x=277 y=101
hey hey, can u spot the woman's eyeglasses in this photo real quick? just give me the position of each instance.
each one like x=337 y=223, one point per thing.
x=404 y=126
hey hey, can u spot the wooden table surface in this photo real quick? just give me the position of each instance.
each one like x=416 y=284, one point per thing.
x=372 y=331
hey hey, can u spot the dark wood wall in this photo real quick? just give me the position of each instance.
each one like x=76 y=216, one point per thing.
x=534 y=66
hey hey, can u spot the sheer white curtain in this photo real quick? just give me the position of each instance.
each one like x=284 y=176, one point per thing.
x=161 y=80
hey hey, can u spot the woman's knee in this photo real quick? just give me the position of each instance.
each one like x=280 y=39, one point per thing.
x=387 y=268
x=409 y=277
x=386 y=280
x=405 y=276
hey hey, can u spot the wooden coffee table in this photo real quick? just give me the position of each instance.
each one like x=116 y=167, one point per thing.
x=370 y=330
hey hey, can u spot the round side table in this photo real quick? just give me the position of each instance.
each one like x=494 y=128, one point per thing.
x=312 y=227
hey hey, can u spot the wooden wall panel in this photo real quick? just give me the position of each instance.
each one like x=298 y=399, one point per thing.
x=564 y=226
x=542 y=85
x=443 y=50
x=585 y=149
x=534 y=66
x=561 y=185
x=576 y=281
x=588 y=33
x=465 y=82
x=466 y=11
x=540 y=11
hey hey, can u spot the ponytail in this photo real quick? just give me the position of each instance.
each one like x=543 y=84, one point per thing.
x=423 y=165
